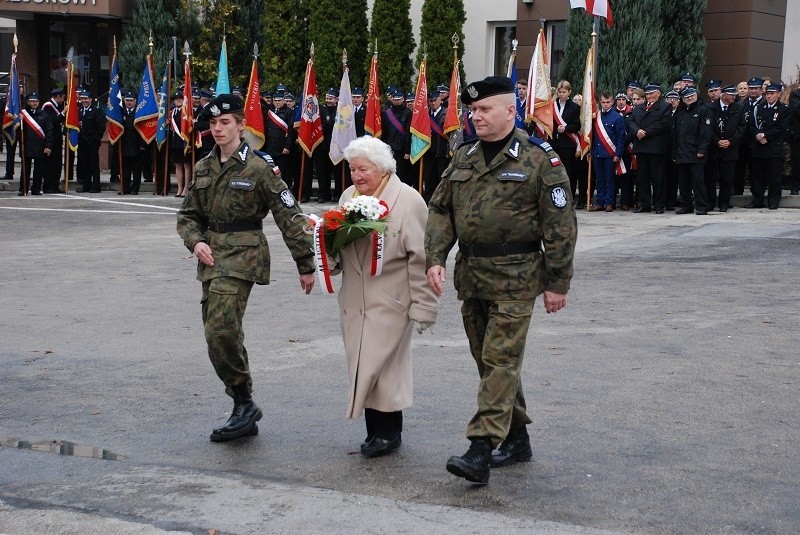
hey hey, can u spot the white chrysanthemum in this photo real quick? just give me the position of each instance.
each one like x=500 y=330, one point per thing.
x=368 y=207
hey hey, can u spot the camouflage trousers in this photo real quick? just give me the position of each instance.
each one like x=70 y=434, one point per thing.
x=497 y=331
x=224 y=302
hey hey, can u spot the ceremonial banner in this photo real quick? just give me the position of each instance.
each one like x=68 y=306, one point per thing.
x=11 y=113
x=310 y=133
x=114 y=106
x=254 y=120
x=452 y=118
x=163 y=104
x=146 y=117
x=344 y=127
x=598 y=8
x=372 y=123
x=420 y=117
x=539 y=104
x=72 y=120
x=187 y=114
x=223 y=86
x=588 y=105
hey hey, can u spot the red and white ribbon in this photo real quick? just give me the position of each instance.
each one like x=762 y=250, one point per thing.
x=609 y=145
x=561 y=122
x=32 y=124
x=321 y=253
x=376 y=267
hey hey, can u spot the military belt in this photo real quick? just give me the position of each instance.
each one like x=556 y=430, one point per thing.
x=501 y=249
x=215 y=226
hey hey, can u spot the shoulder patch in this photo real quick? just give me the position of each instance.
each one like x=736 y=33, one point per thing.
x=513 y=150
x=266 y=157
x=559 y=197
x=544 y=145
x=287 y=198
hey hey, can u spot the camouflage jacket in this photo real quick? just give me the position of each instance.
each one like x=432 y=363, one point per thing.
x=521 y=196
x=243 y=189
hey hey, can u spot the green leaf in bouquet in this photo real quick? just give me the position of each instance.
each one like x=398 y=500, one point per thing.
x=350 y=233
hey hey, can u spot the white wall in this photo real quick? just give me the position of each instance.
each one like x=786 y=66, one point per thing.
x=791 y=42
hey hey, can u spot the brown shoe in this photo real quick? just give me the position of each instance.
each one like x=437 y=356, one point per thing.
x=596 y=208
x=609 y=208
x=624 y=207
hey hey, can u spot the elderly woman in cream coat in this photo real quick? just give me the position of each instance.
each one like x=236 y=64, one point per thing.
x=378 y=314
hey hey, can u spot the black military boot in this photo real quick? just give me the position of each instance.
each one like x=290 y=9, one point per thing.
x=516 y=448
x=243 y=418
x=473 y=465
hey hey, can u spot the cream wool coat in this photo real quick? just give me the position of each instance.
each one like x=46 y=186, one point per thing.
x=378 y=313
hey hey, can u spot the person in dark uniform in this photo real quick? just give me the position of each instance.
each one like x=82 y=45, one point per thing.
x=714 y=91
x=624 y=182
x=691 y=137
x=359 y=111
x=396 y=124
x=54 y=108
x=323 y=166
x=566 y=124
x=220 y=222
x=437 y=157
x=754 y=98
x=277 y=123
x=202 y=126
x=93 y=126
x=608 y=146
x=38 y=142
x=132 y=147
x=794 y=108
x=505 y=200
x=769 y=129
x=672 y=98
x=727 y=129
x=650 y=126
x=444 y=92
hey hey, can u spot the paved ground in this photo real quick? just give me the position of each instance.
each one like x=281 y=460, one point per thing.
x=664 y=397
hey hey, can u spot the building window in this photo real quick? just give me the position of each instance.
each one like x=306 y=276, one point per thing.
x=557 y=41
x=503 y=35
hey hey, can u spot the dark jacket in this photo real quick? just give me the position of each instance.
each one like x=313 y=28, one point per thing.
x=56 y=114
x=794 y=107
x=728 y=125
x=691 y=133
x=202 y=128
x=400 y=142
x=572 y=116
x=440 y=145
x=360 y=118
x=34 y=142
x=132 y=143
x=774 y=123
x=614 y=125
x=277 y=124
x=93 y=125
x=656 y=124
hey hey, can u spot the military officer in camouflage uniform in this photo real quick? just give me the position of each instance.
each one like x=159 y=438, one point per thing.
x=506 y=199
x=221 y=223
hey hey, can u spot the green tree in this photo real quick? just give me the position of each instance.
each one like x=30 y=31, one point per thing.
x=220 y=17
x=160 y=18
x=332 y=28
x=284 y=45
x=441 y=19
x=684 y=50
x=391 y=29
x=579 y=31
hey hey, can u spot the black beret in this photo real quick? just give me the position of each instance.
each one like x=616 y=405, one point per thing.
x=488 y=87
x=222 y=104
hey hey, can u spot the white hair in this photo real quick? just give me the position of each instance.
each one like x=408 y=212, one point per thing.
x=373 y=150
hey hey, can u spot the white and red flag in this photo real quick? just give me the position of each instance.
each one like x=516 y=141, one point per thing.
x=588 y=104
x=539 y=103
x=598 y=8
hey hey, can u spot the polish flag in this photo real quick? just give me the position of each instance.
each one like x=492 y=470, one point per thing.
x=598 y=8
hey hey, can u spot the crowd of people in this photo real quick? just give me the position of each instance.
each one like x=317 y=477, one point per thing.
x=684 y=152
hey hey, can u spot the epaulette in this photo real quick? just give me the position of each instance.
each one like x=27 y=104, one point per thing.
x=267 y=158
x=542 y=144
x=468 y=142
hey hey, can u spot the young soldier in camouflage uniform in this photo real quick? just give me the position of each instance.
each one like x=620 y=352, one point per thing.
x=221 y=223
x=505 y=199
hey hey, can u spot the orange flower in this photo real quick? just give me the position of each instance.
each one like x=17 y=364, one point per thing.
x=334 y=219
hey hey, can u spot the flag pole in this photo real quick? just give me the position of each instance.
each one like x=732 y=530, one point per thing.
x=154 y=147
x=119 y=147
x=165 y=180
x=303 y=153
x=594 y=76
x=67 y=149
x=422 y=158
x=24 y=178
x=187 y=94
x=344 y=70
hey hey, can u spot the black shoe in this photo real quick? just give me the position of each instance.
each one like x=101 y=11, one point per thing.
x=378 y=447
x=701 y=212
x=134 y=193
x=639 y=210
x=12 y=178
x=94 y=191
x=473 y=465
x=36 y=193
x=681 y=211
x=659 y=211
x=772 y=207
x=793 y=192
x=21 y=194
x=305 y=199
x=580 y=206
x=243 y=418
x=516 y=448
x=753 y=205
x=723 y=208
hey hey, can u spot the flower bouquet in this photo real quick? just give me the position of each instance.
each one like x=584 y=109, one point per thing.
x=355 y=219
